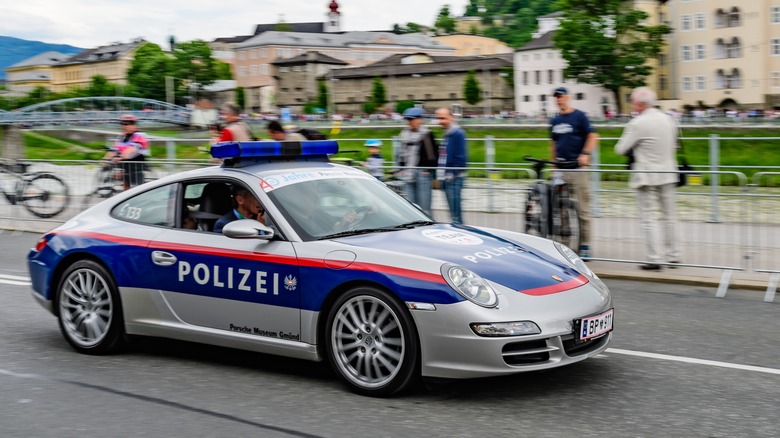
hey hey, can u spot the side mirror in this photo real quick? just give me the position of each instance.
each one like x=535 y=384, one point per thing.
x=248 y=229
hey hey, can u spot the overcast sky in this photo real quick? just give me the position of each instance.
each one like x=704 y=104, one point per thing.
x=92 y=23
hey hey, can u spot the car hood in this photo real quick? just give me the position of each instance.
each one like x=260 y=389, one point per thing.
x=496 y=259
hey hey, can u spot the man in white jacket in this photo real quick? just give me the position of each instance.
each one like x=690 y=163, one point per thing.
x=652 y=139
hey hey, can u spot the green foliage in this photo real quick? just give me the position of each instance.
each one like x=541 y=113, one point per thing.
x=147 y=72
x=471 y=89
x=223 y=71
x=445 y=21
x=510 y=21
x=193 y=63
x=472 y=9
x=403 y=105
x=369 y=107
x=378 y=92
x=322 y=95
x=283 y=26
x=310 y=108
x=240 y=97
x=610 y=52
x=409 y=28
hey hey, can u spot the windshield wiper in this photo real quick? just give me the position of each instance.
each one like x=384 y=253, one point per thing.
x=355 y=232
x=414 y=224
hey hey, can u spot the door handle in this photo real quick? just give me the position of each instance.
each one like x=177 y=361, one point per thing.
x=162 y=258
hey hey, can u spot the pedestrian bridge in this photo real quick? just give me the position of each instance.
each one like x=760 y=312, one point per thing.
x=95 y=110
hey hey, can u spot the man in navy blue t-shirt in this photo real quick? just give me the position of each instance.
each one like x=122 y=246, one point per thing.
x=574 y=139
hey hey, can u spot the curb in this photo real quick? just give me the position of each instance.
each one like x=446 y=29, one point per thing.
x=681 y=279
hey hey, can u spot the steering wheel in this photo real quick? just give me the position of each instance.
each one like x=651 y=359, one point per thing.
x=360 y=215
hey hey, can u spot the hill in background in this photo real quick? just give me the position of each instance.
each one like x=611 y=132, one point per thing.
x=13 y=50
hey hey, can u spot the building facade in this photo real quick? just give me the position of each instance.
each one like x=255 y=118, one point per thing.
x=428 y=80
x=112 y=62
x=473 y=45
x=297 y=78
x=24 y=76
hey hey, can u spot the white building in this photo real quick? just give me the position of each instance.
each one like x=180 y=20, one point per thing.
x=539 y=69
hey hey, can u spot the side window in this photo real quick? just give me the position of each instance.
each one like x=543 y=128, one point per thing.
x=153 y=207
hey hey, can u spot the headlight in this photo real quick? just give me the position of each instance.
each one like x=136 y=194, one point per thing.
x=499 y=329
x=574 y=259
x=473 y=287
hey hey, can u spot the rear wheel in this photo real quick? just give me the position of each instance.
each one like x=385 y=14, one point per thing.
x=45 y=195
x=567 y=226
x=535 y=223
x=372 y=343
x=89 y=309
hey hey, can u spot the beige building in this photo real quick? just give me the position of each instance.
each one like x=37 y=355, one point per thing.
x=24 y=76
x=432 y=81
x=112 y=62
x=726 y=53
x=255 y=56
x=472 y=45
x=296 y=78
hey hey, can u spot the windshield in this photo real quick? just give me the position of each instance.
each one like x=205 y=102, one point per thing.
x=340 y=206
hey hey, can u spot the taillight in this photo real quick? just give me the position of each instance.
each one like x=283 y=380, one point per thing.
x=41 y=244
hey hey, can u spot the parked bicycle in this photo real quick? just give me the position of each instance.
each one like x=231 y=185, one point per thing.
x=550 y=210
x=42 y=193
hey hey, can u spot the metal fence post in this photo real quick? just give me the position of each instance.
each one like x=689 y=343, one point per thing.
x=714 y=177
x=170 y=154
x=490 y=162
x=595 y=186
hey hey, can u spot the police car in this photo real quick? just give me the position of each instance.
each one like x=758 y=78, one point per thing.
x=341 y=269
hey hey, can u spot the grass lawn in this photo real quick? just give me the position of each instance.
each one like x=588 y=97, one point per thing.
x=740 y=151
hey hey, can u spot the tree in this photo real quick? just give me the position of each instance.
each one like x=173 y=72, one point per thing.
x=223 y=70
x=322 y=95
x=282 y=26
x=240 y=97
x=472 y=9
x=409 y=28
x=148 y=71
x=194 y=63
x=606 y=43
x=471 y=90
x=444 y=21
x=403 y=105
x=378 y=92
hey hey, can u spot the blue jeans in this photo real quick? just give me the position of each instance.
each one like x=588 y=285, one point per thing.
x=420 y=191
x=452 y=189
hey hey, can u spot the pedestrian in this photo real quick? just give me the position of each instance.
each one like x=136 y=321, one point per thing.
x=279 y=133
x=574 y=139
x=231 y=127
x=375 y=162
x=129 y=152
x=419 y=157
x=453 y=160
x=652 y=138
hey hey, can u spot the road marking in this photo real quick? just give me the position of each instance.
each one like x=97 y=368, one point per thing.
x=712 y=363
x=15 y=280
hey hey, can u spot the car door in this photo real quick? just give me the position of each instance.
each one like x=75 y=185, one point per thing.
x=209 y=280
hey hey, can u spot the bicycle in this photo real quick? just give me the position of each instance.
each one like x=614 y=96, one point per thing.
x=42 y=193
x=550 y=210
x=110 y=178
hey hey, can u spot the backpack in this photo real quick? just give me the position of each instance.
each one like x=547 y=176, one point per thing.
x=312 y=134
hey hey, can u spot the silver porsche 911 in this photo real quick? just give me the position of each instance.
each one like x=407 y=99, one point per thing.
x=339 y=268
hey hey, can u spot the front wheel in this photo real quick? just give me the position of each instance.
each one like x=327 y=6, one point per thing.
x=44 y=195
x=371 y=342
x=535 y=217
x=89 y=309
x=567 y=225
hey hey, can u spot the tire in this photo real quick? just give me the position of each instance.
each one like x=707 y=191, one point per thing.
x=535 y=204
x=45 y=195
x=372 y=342
x=89 y=309
x=106 y=185
x=567 y=227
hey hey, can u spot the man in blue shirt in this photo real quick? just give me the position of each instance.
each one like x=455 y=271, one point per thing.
x=574 y=139
x=454 y=156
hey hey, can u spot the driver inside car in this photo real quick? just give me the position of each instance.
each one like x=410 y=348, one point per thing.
x=245 y=206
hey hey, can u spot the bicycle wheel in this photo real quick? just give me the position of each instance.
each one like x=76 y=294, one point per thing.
x=106 y=184
x=44 y=195
x=567 y=226
x=535 y=218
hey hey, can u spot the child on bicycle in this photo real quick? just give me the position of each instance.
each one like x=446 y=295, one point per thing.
x=130 y=151
x=375 y=161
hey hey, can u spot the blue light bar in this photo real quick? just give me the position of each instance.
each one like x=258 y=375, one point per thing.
x=274 y=149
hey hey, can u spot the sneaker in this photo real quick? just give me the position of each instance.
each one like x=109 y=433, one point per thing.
x=584 y=252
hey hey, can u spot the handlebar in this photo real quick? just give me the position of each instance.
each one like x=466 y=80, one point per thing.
x=558 y=162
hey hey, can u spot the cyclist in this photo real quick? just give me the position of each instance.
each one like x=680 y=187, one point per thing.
x=574 y=139
x=130 y=151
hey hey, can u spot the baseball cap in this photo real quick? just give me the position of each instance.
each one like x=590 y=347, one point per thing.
x=413 y=113
x=373 y=143
x=560 y=90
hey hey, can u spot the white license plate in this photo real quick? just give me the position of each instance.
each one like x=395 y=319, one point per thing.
x=597 y=325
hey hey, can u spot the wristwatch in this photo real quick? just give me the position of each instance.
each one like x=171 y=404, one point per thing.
x=585 y=153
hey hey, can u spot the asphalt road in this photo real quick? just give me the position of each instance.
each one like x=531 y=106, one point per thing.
x=176 y=389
